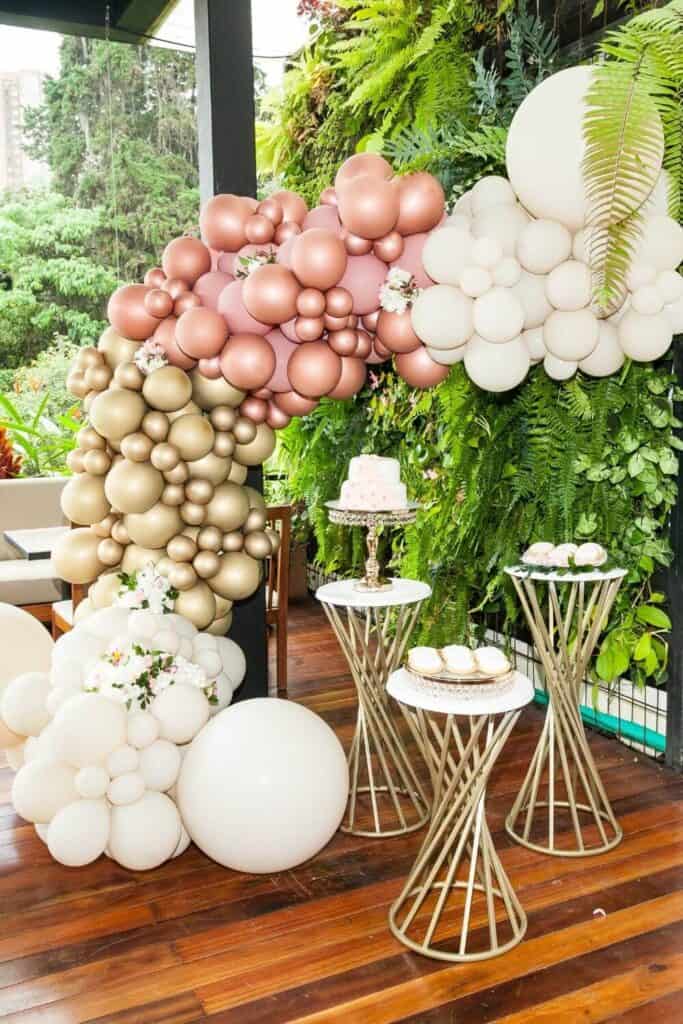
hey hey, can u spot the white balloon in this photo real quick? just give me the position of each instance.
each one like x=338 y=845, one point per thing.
x=493 y=190
x=447 y=356
x=502 y=223
x=568 y=286
x=475 y=281
x=274 y=819
x=143 y=624
x=159 y=765
x=459 y=220
x=542 y=245
x=23 y=704
x=658 y=200
x=79 y=832
x=143 y=729
x=78 y=645
x=223 y=691
x=203 y=641
x=67 y=674
x=662 y=243
x=498 y=316
x=669 y=284
x=87 y=728
x=41 y=832
x=15 y=756
x=615 y=317
x=42 y=787
x=25 y=644
x=210 y=661
x=123 y=759
x=126 y=788
x=180 y=624
x=647 y=300
x=571 y=335
x=181 y=711
x=146 y=833
x=559 y=369
x=495 y=367
x=107 y=622
x=507 y=272
x=486 y=252
x=445 y=253
x=644 y=338
x=673 y=312
x=234 y=661
x=183 y=842
x=607 y=357
x=463 y=204
x=640 y=274
x=442 y=316
x=92 y=782
x=533 y=340
x=166 y=640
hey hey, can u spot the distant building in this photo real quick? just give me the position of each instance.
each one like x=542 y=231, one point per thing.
x=19 y=90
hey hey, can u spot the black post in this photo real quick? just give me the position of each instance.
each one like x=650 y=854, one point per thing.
x=227 y=163
x=674 y=685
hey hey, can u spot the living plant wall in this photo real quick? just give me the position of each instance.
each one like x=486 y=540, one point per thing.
x=585 y=459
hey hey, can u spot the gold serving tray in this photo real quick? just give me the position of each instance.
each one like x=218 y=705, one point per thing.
x=473 y=679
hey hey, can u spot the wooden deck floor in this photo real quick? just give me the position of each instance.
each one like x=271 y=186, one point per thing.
x=192 y=942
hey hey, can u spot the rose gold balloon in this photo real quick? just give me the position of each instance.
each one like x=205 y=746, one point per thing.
x=355 y=245
x=247 y=361
x=251 y=203
x=270 y=294
x=380 y=350
x=158 y=303
x=284 y=253
x=293 y=206
x=128 y=315
x=335 y=323
x=363 y=345
x=165 y=336
x=283 y=349
x=323 y=217
x=231 y=306
x=352 y=379
x=411 y=259
x=201 y=333
x=368 y=206
x=188 y=300
x=293 y=404
x=388 y=248
x=223 y=220
x=310 y=302
x=328 y=196
x=370 y=320
x=255 y=408
x=155 y=277
x=364 y=277
x=186 y=258
x=344 y=343
x=395 y=331
x=338 y=302
x=283 y=232
x=309 y=328
x=175 y=287
x=318 y=258
x=352 y=320
x=421 y=203
x=277 y=418
x=259 y=229
x=209 y=287
x=363 y=163
x=314 y=369
x=419 y=370
x=264 y=393
x=271 y=209
x=210 y=368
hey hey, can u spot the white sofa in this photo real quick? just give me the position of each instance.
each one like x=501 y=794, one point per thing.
x=25 y=504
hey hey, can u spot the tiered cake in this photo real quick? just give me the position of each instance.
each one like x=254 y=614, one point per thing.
x=373 y=485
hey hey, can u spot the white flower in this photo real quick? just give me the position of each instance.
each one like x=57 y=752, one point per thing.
x=246 y=265
x=399 y=291
x=150 y=357
x=148 y=589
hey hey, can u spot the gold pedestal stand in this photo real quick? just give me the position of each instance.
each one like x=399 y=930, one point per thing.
x=373 y=580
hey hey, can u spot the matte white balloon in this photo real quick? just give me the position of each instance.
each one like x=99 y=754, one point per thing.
x=495 y=367
x=559 y=369
x=661 y=245
x=464 y=204
x=88 y=727
x=92 y=782
x=607 y=357
x=647 y=300
x=543 y=245
x=79 y=833
x=571 y=335
x=669 y=284
x=447 y=356
x=475 y=281
x=568 y=286
x=123 y=759
x=507 y=272
x=182 y=710
x=442 y=316
x=234 y=661
x=533 y=340
x=487 y=252
x=23 y=704
x=493 y=190
x=146 y=833
x=644 y=338
x=126 y=788
x=498 y=316
x=159 y=765
x=42 y=787
x=459 y=220
x=674 y=315
x=640 y=274
x=446 y=252
x=143 y=729
x=502 y=223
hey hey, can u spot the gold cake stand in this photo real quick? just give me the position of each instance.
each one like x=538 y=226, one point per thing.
x=372 y=521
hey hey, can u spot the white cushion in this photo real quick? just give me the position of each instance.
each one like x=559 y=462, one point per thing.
x=24 y=582
x=27 y=503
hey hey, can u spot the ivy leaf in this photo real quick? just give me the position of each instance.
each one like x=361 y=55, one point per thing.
x=612 y=661
x=653 y=616
x=643 y=647
x=636 y=464
x=668 y=463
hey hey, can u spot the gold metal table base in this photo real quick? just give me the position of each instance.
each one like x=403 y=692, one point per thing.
x=563 y=792
x=383 y=781
x=458 y=886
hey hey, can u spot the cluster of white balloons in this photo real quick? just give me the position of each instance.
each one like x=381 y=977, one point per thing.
x=512 y=264
x=93 y=775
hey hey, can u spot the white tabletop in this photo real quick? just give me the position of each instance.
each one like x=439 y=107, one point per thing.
x=344 y=594
x=527 y=572
x=35 y=543
x=462 y=699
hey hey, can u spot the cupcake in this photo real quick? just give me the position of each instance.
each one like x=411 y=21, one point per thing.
x=491 y=661
x=538 y=553
x=590 y=555
x=459 y=660
x=425 y=660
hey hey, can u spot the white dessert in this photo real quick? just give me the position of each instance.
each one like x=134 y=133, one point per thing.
x=558 y=556
x=491 y=661
x=373 y=485
x=592 y=555
x=562 y=554
x=538 y=553
x=459 y=660
x=425 y=660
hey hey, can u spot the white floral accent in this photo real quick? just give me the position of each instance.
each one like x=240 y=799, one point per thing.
x=246 y=265
x=150 y=357
x=134 y=675
x=146 y=588
x=399 y=291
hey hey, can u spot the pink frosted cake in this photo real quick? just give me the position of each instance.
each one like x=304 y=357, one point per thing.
x=373 y=485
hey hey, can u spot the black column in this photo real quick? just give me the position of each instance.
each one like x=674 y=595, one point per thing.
x=227 y=163
x=674 y=685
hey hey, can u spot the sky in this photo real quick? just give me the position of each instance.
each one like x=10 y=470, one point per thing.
x=276 y=30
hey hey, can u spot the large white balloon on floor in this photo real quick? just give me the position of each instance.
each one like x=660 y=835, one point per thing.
x=264 y=786
x=26 y=647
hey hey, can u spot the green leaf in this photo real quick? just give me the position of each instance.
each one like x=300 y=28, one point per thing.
x=653 y=616
x=643 y=647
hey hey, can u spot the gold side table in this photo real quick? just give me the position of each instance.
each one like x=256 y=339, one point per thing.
x=566 y=613
x=373 y=629
x=458 y=903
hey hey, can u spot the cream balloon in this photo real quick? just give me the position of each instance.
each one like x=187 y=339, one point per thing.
x=498 y=316
x=228 y=508
x=257 y=451
x=530 y=290
x=446 y=253
x=116 y=349
x=115 y=413
x=197 y=604
x=155 y=527
x=133 y=486
x=192 y=436
x=208 y=394
x=507 y=272
x=136 y=557
x=78 y=834
x=146 y=833
x=559 y=369
x=661 y=244
x=238 y=576
x=74 y=556
x=502 y=224
x=83 y=499
x=644 y=338
x=167 y=389
x=608 y=356
x=571 y=335
x=496 y=367
x=492 y=190
x=442 y=317
x=542 y=245
x=568 y=286
x=533 y=339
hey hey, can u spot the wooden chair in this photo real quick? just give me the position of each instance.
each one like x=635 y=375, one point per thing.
x=279 y=517
x=63 y=611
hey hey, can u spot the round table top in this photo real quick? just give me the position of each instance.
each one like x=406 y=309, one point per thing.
x=528 y=572
x=461 y=699
x=344 y=594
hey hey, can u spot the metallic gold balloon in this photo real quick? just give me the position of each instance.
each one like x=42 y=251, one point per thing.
x=210 y=538
x=156 y=425
x=182 y=576
x=220 y=627
x=154 y=528
x=189 y=407
x=192 y=532
x=88 y=439
x=84 y=501
x=258 y=545
x=223 y=606
x=133 y=486
x=192 y=436
x=116 y=349
x=197 y=604
x=223 y=444
x=244 y=430
x=210 y=393
x=237 y=474
x=173 y=494
x=223 y=417
x=257 y=451
x=256 y=499
x=199 y=491
x=98 y=377
x=228 y=508
x=164 y=566
x=178 y=475
x=96 y=462
x=103 y=592
x=256 y=521
x=275 y=539
x=193 y=514
x=105 y=526
x=167 y=389
x=120 y=533
x=89 y=399
x=127 y=375
x=233 y=541
x=181 y=548
x=211 y=467
x=74 y=556
x=206 y=563
x=135 y=557
x=117 y=413
x=137 y=447
x=75 y=384
x=75 y=460
x=238 y=577
x=109 y=552
x=89 y=357
x=165 y=457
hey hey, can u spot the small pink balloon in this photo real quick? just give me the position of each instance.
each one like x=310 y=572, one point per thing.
x=368 y=206
x=335 y=323
x=389 y=248
x=355 y=245
x=294 y=404
x=370 y=321
x=175 y=286
x=363 y=345
x=352 y=320
x=254 y=409
x=252 y=203
x=288 y=328
x=158 y=303
x=379 y=354
x=338 y=302
x=395 y=331
x=165 y=336
x=128 y=314
x=270 y=293
x=247 y=361
x=421 y=203
x=363 y=163
x=328 y=196
x=411 y=259
x=155 y=277
x=210 y=368
x=271 y=209
x=283 y=349
x=238 y=319
x=352 y=379
x=314 y=369
x=222 y=220
x=318 y=258
x=209 y=287
x=418 y=368
x=277 y=418
x=323 y=217
x=309 y=328
x=344 y=343
x=201 y=333
x=288 y=229
x=363 y=277
x=188 y=300
x=259 y=229
x=293 y=206
x=186 y=258
x=310 y=302
x=264 y=393
x=284 y=253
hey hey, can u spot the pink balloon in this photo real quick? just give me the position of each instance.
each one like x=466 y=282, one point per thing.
x=225 y=263
x=323 y=217
x=283 y=349
x=379 y=353
x=210 y=368
x=239 y=321
x=247 y=361
x=418 y=368
x=165 y=336
x=209 y=287
x=254 y=409
x=328 y=196
x=284 y=253
x=411 y=259
x=277 y=418
x=201 y=333
x=352 y=378
x=288 y=328
x=294 y=404
x=363 y=277
x=128 y=314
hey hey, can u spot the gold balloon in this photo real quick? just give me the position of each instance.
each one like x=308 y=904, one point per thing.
x=197 y=604
x=154 y=528
x=127 y=375
x=275 y=539
x=88 y=439
x=233 y=541
x=164 y=566
x=74 y=556
x=199 y=491
x=96 y=462
x=244 y=430
x=89 y=357
x=258 y=545
x=167 y=389
x=256 y=521
x=181 y=548
x=133 y=486
x=75 y=460
x=223 y=417
x=103 y=592
x=210 y=393
x=178 y=475
x=173 y=494
x=206 y=563
x=256 y=499
x=75 y=384
x=117 y=413
x=220 y=627
x=120 y=533
x=223 y=444
x=165 y=457
x=211 y=467
x=238 y=576
x=210 y=539
x=229 y=507
x=192 y=532
x=105 y=526
x=257 y=451
x=156 y=425
x=135 y=557
x=89 y=399
x=116 y=349
x=223 y=606
x=193 y=437
x=182 y=576
x=192 y=514
x=84 y=501
x=237 y=474
x=137 y=447
x=109 y=552
x=190 y=408
x=98 y=377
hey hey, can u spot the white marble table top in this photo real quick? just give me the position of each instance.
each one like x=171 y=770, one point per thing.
x=528 y=572
x=344 y=594
x=36 y=543
x=461 y=699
